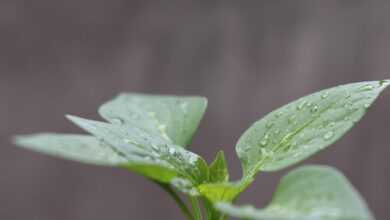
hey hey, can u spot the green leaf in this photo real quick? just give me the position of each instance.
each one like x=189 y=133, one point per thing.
x=80 y=148
x=174 y=118
x=136 y=145
x=223 y=192
x=218 y=169
x=308 y=193
x=89 y=150
x=304 y=127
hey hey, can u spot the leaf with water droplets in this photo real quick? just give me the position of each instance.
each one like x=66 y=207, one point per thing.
x=143 y=149
x=308 y=193
x=174 y=118
x=305 y=126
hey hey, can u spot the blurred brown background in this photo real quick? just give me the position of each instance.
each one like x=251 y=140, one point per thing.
x=247 y=57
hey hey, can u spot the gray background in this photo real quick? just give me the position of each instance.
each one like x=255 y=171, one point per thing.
x=247 y=57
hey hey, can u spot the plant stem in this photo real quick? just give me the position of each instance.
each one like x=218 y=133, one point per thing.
x=183 y=207
x=196 y=209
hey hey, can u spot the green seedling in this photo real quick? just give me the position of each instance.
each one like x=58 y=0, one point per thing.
x=149 y=135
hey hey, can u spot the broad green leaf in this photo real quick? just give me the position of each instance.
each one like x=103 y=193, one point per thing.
x=218 y=169
x=175 y=118
x=80 y=148
x=89 y=150
x=137 y=145
x=308 y=193
x=304 y=127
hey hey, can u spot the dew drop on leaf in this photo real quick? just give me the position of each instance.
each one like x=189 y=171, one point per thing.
x=301 y=105
x=117 y=121
x=280 y=113
x=269 y=124
x=172 y=151
x=325 y=95
x=367 y=87
x=264 y=142
x=192 y=160
x=314 y=109
x=328 y=135
x=291 y=119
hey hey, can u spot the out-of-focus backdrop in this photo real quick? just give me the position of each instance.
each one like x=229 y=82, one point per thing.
x=247 y=57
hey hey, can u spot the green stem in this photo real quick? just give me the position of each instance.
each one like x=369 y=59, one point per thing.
x=196 y=208
x=183 y=207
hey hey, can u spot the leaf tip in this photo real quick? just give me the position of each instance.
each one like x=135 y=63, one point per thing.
x=17 y=139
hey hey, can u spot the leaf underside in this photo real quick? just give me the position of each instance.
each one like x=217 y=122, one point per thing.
x=308 y=193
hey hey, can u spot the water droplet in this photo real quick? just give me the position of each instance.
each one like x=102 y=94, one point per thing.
x=277 y=131
x=280 y=113
x=128 y=141
x=325 y=95
x=366 y=105
x=301 y=105
x=332 y=124
x=117 y=121
x=314 y=109
x=192 y=160
x=367 y=87
x=264 y=142
x=296 y=154
x=348 y=95
x=291 y=119
x=328 y=135
x=269 y=124
x=309 y=104
x=155 y=147
x=172 y=151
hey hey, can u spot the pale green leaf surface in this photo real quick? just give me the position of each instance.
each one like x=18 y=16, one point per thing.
x=137 y=145
x=218 y=169
x=89 y=150
x=174 y=118
x=80 y=148
x=308 y=193
x=304 y=127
